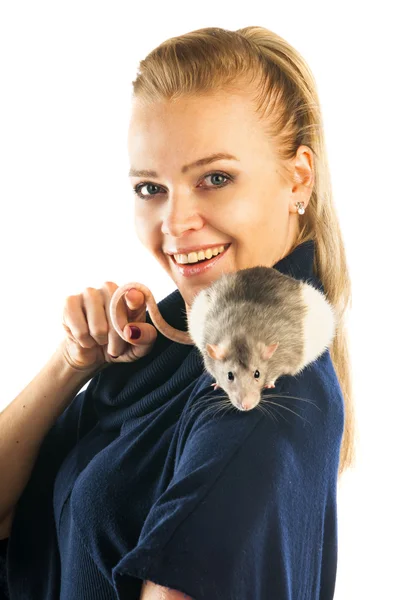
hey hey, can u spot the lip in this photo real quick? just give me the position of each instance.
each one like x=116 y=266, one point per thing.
x=191 y=269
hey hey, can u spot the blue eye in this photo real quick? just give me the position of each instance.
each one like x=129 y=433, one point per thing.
x=137 y=188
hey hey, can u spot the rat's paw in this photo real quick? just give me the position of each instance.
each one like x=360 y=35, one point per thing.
x=215 y=385
x=270 y=385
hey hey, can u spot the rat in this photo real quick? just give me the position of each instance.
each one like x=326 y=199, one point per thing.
x=251 y=327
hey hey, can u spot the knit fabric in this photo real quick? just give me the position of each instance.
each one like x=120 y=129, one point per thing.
x=145 y=477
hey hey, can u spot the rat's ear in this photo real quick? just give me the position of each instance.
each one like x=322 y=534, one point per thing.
x=217 y=351
x=267 y=351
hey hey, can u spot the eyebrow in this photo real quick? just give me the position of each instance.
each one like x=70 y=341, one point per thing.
x=198 y=163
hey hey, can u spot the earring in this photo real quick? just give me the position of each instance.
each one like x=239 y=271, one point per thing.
x=301 y=209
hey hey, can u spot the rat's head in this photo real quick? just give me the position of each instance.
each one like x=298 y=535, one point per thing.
x=241 y=368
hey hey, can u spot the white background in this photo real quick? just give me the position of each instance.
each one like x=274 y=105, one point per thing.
x=67 y=205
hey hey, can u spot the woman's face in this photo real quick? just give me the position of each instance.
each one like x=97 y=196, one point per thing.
x=242 y=202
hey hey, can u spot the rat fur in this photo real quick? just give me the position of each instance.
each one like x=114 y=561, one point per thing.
x=254 y=325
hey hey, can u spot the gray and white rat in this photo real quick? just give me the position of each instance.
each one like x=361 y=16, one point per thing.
x=251 y=327
x=254 y=325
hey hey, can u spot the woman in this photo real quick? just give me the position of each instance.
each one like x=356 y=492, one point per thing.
x=134 y=479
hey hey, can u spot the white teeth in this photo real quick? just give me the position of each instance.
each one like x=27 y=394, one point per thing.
x=193 y=257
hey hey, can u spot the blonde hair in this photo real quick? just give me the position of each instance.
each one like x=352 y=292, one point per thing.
x=285 y=97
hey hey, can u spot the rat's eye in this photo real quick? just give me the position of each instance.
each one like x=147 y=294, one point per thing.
x=256 y=373
x=230 y=376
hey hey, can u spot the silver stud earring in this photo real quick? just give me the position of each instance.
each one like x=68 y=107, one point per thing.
x=300 y=207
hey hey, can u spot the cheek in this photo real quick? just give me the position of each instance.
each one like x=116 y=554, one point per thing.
x=139 y=223
x=145 y=228
x=229 y=209
x=248 y=212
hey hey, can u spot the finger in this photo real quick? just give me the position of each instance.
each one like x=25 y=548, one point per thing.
x=74 y=318
x=134 y=299
x=93 y=305
x=116 y=345
x=122 y=313
x=148 y=334
x=144 y=344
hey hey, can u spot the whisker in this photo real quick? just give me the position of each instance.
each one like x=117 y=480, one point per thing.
x=278 y=411
x=292 y=411
x=266 y=412
x=224 y=402
x=293 y=397
x=218 y=407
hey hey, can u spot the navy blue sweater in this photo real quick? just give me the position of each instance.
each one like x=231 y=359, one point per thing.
x=143 y=477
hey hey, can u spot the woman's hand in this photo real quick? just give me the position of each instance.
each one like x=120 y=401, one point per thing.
x=91 y=340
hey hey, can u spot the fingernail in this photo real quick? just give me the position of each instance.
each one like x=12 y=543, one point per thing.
x=135 y=332
x=125 y=295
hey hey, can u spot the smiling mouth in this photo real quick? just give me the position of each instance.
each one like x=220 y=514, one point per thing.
x=201 y=261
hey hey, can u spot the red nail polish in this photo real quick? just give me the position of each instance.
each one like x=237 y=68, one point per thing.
x=135 y=332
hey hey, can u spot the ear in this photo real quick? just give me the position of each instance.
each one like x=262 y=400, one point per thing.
x=217 y=351
x=267 y=351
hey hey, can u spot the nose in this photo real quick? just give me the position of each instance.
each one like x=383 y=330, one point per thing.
x=248 y=403
x=180 y=215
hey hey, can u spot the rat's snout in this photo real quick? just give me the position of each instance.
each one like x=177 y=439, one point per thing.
x=248 y=402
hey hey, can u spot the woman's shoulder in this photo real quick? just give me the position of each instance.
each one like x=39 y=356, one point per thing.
x=302 y=410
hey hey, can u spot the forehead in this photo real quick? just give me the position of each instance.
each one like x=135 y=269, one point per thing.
x=242 y=353
x=192 y=127
x=217 y=103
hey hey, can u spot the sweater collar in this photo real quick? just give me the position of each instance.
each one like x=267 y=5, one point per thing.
x=299 y=263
